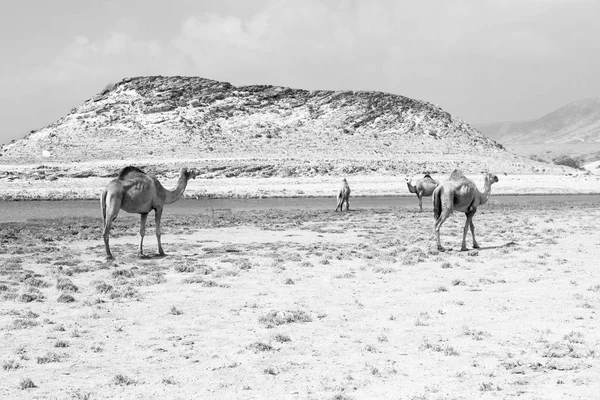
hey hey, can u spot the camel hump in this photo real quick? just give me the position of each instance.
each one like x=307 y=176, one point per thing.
x=129 y=170
x=427 y=176
x=457 y=175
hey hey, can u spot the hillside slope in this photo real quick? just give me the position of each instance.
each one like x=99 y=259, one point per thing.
x=572 y=130
x=290 y=131
x=577 y=122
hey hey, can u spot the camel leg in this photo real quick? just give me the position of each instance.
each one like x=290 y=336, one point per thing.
x=157 y=216
x=112 y=210
x=340 y=202
x=347 y=204
x=438 y=224
x=463 y=246
x=472 y=226
x=143 y=218
x=420 y=196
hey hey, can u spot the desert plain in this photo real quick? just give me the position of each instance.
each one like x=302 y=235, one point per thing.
x=306 y=304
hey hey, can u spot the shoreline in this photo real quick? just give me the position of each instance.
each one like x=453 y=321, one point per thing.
x=90 y=188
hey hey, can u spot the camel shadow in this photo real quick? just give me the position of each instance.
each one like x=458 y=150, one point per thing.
x=501 y=246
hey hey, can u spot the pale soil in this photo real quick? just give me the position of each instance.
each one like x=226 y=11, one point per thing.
x=361 y=185
x=364 y=307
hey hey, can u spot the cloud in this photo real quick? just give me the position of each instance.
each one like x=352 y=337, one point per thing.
x=114 y=55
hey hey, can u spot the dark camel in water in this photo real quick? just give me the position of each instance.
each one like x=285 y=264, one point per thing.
x=459 y=194
x=136 y=192
x=423 y=187
x=343 y=196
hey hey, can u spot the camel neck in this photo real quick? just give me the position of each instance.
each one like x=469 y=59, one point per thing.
x=173 y=195
x=411 y=188
x=487 y=190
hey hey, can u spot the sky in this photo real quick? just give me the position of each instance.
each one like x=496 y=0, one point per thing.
x=481 y=60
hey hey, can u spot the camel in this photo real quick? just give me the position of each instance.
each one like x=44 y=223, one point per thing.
x=135 y=192
x=459 y=194
x=423 y=187
x=343 y=196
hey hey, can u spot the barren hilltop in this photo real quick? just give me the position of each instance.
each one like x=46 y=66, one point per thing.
x=226 y=130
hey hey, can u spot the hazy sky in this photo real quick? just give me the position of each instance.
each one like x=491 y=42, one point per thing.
x=481 y=60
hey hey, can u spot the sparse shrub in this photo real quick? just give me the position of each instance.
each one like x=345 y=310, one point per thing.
x=123 y=380
x=193 y=279
x=103 y=287
x=61 y=343
x=169 y=381
x=270 y=371
x=261 y=346
x=383 y=270
x=122 y=273
x=36 y=282
x=209 y=283
x=370 y=348
x=568 y=161
x=446 y=265
x=26 y=383
x=243 y=264
x=281 y=338
x=595 y=288
x=65 y=285
x=10 y=365
x=475 y=334
x=275 y=318
x=441 y=289
x=175 y=311
x=65 y=298
x=31 y=294
x=185 y=268
x=48 y=358
x=21 y=323
x=382 y=338
x=289 y=281
x=96 y=348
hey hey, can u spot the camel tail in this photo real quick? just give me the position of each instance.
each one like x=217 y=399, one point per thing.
x=437 y=202
x=103 y=206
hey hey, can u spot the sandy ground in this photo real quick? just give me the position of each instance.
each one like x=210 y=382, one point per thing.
x=361 y=185
x=304 y=305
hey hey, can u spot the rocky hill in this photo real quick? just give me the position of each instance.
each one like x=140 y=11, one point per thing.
x=262 y=131
x=573 y=129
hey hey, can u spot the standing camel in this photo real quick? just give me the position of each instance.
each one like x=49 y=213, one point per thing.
x=460 y=194
x=135 y=192
x=343 y=196
x=424 y=187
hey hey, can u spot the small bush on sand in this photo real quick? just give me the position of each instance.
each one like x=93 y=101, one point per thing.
x=10 y=365
x=260 y=346
x=21 y=323
x=275 y=318
x=184 y=268
x=123 y=380
x=26 y=383
x=48 y=358
x=122 y=273
x=176 y=311
x=65 y=298
x=103 y=287
x=282 y=338
x=65 y=285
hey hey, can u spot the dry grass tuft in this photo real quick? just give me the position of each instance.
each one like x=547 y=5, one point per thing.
x=275 y=318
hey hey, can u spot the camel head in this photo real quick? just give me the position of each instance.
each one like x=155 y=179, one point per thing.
x=491 y=178
x=189 y=174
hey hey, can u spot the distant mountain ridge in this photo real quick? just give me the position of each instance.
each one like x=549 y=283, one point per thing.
x=576 y=122
x=288 y=131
